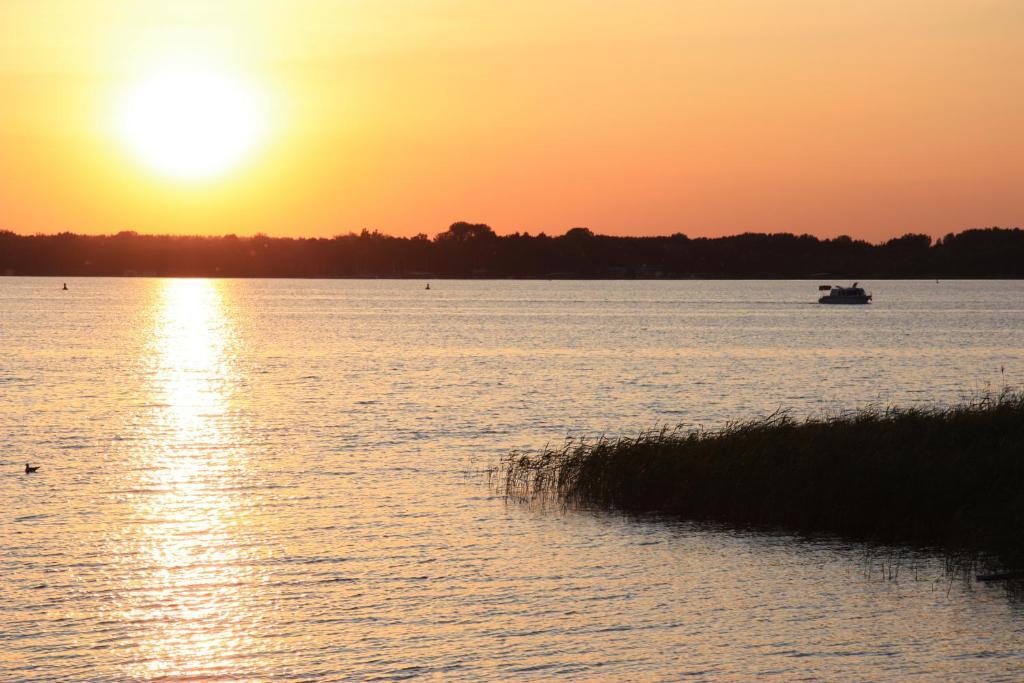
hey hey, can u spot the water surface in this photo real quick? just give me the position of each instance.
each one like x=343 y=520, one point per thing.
x=267 y=480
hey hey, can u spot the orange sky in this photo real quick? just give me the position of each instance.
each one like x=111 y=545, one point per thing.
x=871 y=118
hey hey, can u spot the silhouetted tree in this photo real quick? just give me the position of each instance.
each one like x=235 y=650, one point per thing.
x=464 y=232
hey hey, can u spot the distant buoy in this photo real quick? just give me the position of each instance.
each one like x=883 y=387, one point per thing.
x=65 y=286
x=428 y=285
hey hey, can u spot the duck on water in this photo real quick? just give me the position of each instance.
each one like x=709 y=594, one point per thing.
x=29 y=469
x=844 y=295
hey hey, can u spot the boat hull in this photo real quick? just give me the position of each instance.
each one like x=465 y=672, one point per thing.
x=866 y=299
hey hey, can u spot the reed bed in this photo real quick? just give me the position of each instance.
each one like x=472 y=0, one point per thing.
x=950 y=477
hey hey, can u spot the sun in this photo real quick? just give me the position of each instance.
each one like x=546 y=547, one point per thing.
x=191 y=123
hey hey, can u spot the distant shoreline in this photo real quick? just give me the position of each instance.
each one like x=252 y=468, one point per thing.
x=474 y=251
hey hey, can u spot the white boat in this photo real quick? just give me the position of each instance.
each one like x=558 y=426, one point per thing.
x=844 y=295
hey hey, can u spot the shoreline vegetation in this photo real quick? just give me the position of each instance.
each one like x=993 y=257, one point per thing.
x=468 y=250
x=943 y=477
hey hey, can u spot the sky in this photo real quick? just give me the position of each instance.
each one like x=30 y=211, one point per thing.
x=871 y=118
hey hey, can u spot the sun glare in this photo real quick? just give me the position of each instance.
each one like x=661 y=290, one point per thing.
x=191 y=124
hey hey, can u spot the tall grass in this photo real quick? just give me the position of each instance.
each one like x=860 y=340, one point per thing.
x=942 y=476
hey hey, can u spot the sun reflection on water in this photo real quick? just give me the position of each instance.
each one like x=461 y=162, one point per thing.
x=188 y=516
x=191 y=341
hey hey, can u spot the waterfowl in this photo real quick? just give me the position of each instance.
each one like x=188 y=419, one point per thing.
x=29 y=469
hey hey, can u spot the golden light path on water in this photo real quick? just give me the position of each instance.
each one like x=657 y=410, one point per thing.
x=187 y=514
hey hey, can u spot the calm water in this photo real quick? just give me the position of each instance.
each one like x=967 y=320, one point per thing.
x=267 y=480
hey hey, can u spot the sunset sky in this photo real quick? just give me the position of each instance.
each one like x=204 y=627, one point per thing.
x=871 y=118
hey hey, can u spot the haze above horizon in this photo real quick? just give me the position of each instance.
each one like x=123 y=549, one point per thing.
x=871 y=119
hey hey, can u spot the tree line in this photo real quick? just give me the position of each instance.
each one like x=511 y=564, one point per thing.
x=475 y=250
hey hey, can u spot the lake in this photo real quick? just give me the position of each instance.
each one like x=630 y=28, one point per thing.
x=281 y=480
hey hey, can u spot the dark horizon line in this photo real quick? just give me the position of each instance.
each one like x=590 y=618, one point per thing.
x=475 y=251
